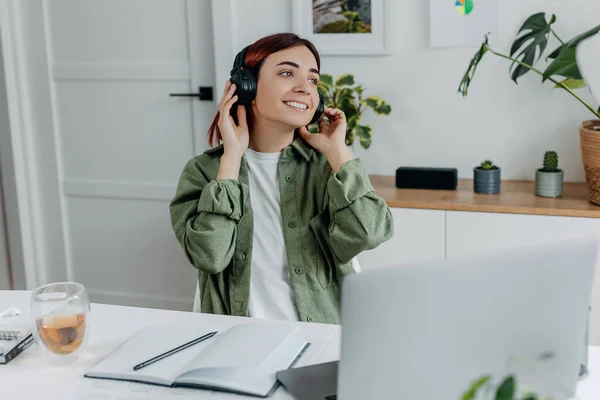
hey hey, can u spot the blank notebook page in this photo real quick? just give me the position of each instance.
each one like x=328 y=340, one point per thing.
x=244 y=345
x=149 y=343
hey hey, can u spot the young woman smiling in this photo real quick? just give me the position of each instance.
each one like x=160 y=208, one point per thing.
x=273 y=216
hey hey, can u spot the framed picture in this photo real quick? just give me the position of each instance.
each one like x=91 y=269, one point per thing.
x=343 y=27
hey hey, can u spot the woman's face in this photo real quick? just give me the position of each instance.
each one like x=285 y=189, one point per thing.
x=287 y=87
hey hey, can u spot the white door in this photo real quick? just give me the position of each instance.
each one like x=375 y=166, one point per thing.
x=5 y=281
x=122 y=140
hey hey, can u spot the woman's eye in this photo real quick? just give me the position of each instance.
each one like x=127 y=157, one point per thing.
x=314 y=81
x=285 y=73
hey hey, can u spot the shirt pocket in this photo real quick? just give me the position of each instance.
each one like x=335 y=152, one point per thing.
x=324 y=259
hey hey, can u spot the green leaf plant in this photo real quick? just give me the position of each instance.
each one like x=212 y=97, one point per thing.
x=528 y=48
x=348 y=97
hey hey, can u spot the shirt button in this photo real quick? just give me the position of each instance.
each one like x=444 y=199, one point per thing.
x=309 y=319
x=292 y=224
x=288 y=178
x=298 y=270
x=243 y=256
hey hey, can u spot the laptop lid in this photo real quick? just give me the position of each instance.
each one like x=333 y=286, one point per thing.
x=428 y=330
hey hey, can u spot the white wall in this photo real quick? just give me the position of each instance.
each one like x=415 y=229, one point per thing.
x=431 y=123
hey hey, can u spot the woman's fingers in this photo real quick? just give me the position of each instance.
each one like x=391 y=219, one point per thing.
x=228 y=104
x=226 y=97
x=241 y=113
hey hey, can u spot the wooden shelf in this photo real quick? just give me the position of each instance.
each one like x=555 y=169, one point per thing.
x=515 y=197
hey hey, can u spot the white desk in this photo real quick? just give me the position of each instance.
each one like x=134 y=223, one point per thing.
x=30 y=377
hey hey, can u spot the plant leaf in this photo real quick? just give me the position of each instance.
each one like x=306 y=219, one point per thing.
x=536 y=31
x=352 y=122
x=564 y=65
x=530 y=396
x=326 y=79
x=324 y=89
x=575 y=41
x=345 y=79
x=468 y=76
x=350 y=136
x=572 y=83
x=475 y=386
x=364 y=135
x=373 y=102
x=384 y=109
x=348 y=108
x=506 y=390
x=344 y=94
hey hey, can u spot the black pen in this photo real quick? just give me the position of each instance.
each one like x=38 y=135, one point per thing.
x=175 y=350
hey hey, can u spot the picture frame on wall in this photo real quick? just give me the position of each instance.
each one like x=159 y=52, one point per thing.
x=343 y=27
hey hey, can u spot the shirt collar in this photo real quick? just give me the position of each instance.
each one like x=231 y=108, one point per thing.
x=302 y=147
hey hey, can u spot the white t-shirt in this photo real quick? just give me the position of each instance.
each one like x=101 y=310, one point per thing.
x=271 y=295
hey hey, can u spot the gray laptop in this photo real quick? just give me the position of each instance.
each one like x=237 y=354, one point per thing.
x=427 y=330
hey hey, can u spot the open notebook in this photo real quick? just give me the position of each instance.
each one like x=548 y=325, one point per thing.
x=242 y=359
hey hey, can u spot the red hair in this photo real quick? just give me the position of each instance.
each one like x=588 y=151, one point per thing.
x=255 y=55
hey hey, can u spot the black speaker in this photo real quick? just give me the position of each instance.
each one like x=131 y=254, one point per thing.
x=426 y=178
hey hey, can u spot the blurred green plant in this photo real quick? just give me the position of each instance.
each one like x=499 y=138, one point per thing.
x=506 y=390
x=348 y=97
x=487 y=165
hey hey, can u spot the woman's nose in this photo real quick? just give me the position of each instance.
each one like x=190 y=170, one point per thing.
x=303 y=86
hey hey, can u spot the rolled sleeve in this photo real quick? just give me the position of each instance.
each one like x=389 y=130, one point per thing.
x=350 y=183
x=222 y=197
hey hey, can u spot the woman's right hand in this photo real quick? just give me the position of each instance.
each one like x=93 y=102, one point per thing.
x=235 y=137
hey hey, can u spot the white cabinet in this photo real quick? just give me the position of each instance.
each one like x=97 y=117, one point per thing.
x=418 y=236
x=474 y=232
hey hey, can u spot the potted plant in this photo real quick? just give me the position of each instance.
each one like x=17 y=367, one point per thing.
x=549 y=179
x=348 y=97
x=486 y=178
x=563 y=71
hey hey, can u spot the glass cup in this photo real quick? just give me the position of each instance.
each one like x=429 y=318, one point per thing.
x=60 y=314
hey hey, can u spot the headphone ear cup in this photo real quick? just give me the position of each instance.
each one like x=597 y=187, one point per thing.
x=245 y=84
x=319 y=111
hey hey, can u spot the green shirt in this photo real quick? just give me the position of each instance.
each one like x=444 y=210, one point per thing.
x=328 y=219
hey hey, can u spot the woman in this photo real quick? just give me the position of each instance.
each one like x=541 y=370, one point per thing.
x=273 y=216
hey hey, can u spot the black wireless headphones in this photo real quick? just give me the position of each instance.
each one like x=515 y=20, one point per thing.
x=245 y=82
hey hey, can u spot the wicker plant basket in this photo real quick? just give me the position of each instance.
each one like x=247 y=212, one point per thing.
x=589 y=134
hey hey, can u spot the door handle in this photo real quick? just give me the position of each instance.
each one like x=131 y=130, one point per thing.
x=204 y=93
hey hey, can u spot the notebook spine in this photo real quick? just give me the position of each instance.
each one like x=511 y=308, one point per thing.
x=18 y=349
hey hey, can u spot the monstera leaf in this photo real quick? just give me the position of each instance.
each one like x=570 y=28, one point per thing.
x=565 y=60
x=571 y=83
x=564 y=65
x=468 y=76
x=575 y=41
x=533 y=39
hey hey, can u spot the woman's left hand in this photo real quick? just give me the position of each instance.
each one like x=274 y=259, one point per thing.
x=331 y=140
